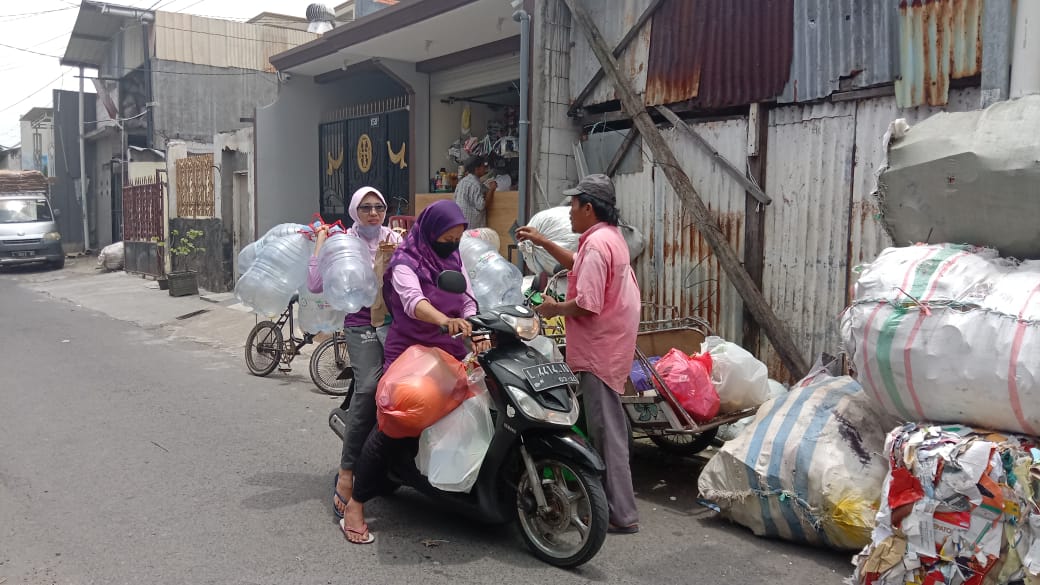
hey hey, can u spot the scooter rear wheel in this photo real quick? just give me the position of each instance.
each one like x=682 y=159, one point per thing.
x=574 y=527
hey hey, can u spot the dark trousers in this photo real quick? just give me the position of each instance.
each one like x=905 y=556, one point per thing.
x=373 y=465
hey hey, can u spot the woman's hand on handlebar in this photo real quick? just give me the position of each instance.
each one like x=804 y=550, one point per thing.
x=457 y=326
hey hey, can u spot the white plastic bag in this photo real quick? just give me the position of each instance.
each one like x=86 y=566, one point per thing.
x=452 y=450
x=741 y=380
x=111 y=257
x=733 y=430
x=554 y=223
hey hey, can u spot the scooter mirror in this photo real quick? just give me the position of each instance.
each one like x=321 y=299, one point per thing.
x=452 y=281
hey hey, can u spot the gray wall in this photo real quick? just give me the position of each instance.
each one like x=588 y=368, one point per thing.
x=198 y=101
x=287 y=139
x=65 y=170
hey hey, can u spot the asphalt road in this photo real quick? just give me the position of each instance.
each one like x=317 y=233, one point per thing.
x=126 y=457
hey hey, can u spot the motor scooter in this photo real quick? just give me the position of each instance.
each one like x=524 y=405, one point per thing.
x=537 y=471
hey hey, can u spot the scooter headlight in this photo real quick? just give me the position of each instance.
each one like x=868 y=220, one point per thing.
x=534 y=411
x=527 y=328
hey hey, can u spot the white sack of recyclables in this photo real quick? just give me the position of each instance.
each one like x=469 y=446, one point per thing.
x=808 y=469
x=949 y=333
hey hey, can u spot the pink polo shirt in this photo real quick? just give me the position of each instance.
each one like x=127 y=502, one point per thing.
x=602 y=282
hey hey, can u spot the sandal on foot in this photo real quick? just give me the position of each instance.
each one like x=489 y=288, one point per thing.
x=337 y=498
x=632 y=529
x=347 y=531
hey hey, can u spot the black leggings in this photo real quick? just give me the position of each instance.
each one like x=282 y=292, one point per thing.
x=371 y=467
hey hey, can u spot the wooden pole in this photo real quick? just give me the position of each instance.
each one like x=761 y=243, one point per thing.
x=708 y=228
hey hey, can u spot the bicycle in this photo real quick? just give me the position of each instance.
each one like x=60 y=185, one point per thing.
x=330 y=366
x=266 y=348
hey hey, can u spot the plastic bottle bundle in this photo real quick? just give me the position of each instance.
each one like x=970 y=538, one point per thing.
x=495 y=281
x=345 y=263
x=248 y=255
x=279 y=270
x=316 y=315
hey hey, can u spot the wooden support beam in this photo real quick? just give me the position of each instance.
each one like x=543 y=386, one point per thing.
x=622 y=150
x=755 y=215
x=618 y=50
x=737 y=174
x=680 y=181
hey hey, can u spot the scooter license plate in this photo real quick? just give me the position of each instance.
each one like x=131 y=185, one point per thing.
x=551 y=375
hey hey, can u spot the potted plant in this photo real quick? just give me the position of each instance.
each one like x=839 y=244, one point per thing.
x=185 y=282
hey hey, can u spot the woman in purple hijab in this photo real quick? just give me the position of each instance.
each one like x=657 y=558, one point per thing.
x=419 y=310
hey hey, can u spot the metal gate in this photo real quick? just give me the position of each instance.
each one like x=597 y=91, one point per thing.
x=365 y=145
x=143 y=225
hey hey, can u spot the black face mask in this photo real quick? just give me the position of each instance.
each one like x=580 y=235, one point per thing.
x=445 y=249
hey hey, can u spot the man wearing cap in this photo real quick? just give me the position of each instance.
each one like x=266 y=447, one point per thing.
x=602 y=312
x=474 y=196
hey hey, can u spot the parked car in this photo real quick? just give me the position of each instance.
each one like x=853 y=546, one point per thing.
x=28 y=232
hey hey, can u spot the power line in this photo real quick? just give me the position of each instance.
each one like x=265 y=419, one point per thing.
x=29 y=51
x=48 y=84
x=10 y=17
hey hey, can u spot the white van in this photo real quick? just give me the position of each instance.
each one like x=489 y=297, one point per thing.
x=28 y=232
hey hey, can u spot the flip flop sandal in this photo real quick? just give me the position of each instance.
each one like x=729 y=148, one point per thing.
x=347 y=531
x=623 y=529
x=337 y=498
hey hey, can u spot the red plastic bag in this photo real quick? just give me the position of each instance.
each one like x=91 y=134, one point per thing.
x=421 y=387
x=689 y=379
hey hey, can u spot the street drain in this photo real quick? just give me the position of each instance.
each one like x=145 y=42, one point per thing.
x=192 y=314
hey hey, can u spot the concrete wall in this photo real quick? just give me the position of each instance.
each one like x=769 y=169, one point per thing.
x=197 y=101
x=553 y=134
x=287 y=153
x=235 y=188
x=46 y=132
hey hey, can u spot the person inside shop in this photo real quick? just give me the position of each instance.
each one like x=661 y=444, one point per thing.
x=418 y=309
x=474 y=196
x=364 y=342
x=602 y=311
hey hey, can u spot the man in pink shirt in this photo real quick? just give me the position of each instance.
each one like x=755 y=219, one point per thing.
x=602 y=312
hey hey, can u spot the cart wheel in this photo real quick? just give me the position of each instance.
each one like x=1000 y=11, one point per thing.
x=685 y=445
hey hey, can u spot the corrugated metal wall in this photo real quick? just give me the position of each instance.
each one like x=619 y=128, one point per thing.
x=939 y=40
x=719 y=53
x=678 y=268
x=198 y=40
x=835 y=39
x=809 y=175
x=612 y=24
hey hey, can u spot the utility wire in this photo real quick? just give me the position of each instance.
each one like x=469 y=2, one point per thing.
x=48 y=84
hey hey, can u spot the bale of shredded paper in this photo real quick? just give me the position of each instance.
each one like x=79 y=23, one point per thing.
x=958 y=506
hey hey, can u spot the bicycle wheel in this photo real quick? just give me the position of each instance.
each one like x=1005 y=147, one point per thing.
x=263 y=348
x=327 y=363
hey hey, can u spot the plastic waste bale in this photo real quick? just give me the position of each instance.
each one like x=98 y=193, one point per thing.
x=494 y=280
x=452 y=449
x=346 y=269
x=111 y=257
x=316 y=315
x=949 y=333
x=741 y=380
x=958 y=506
x=248 y=254
x=279 y=271
x=808 y=469
x=422 y=386
x=555 y=224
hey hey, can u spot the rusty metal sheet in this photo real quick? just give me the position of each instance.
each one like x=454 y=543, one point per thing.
x=719 y=53
x=842 y=45
x=939 y=40
x=678 y=268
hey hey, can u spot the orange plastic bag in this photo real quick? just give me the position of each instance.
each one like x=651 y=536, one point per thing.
x=689 y=379
x=422 y=386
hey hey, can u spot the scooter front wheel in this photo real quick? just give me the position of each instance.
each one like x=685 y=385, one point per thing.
x=572 y=528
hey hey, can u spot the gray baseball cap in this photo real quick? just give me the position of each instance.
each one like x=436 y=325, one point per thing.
x=597 y=186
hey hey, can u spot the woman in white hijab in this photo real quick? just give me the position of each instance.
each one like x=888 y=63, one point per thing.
x=364 y=342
